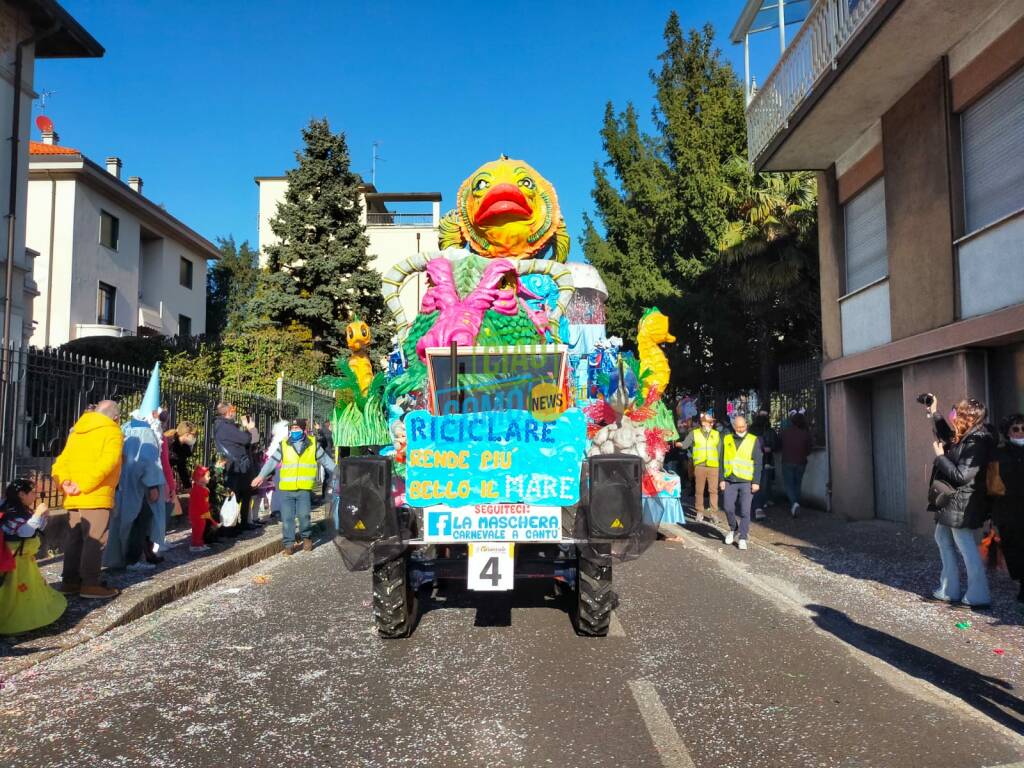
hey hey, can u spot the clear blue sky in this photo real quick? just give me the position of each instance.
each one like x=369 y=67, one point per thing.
x=198 y=98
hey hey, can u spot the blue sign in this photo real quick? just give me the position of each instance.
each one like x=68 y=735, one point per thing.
x=500 y=456
x=492 y=522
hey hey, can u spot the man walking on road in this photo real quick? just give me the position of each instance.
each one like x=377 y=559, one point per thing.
x=298 y=457
x=235 y=443
x=705 y=444
x=87 y=471
x=741 y=461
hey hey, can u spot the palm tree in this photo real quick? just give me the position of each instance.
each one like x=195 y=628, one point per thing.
x=769 y=252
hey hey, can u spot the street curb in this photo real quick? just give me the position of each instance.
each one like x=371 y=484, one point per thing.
x=138 y=602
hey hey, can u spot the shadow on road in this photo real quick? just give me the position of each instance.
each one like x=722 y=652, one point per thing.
x=989 y=695
x=494 y=609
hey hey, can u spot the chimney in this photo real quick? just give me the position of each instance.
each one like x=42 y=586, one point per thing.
x=114 y=167
x=50 y=137
x=135 y=182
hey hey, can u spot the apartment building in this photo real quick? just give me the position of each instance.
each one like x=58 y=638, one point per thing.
x=398 y=225
x=912 y=112
x=28 y=31
x=111 y=261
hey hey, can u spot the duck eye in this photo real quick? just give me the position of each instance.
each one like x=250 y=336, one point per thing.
x=481 y=184
x=364 y=333
x=526 y=183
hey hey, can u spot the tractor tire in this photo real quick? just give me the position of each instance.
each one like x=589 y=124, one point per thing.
x=595 y=598
x=394 y=602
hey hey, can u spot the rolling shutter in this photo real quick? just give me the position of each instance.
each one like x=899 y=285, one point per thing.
x=866 y=256
x=993 y=154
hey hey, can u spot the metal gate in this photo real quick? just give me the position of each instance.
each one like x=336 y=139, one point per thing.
x=888 y=448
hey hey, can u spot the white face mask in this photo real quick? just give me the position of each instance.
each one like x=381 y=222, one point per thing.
x=1017 y=440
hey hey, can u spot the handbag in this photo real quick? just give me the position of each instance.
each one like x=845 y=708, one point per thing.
x=230 y=511
x=940 y=493
x=994 y=484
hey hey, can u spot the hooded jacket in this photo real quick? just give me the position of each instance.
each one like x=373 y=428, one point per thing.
x=964 y=466
x=92 y=460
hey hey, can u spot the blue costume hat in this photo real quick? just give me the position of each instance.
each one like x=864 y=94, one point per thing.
x=151 y=400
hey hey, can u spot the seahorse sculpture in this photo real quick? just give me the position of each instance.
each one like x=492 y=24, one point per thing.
x=651 y=334
x=358 y=338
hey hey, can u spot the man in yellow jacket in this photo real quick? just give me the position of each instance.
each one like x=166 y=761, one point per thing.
x=87 y=471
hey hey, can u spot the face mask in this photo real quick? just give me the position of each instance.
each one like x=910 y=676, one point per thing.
x=1017 y=440
x=741 y=434
x=295 y=436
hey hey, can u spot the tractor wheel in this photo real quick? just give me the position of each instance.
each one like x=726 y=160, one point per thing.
x=595 y=598
x=394 y=602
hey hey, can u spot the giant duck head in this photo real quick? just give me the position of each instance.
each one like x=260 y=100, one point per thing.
x=505 y=209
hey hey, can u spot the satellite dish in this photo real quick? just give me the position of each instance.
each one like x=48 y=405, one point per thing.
x=44 y=124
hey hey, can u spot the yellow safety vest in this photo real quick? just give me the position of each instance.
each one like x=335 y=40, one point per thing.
x=705 y=448
x=739 y=462
x=298 y=473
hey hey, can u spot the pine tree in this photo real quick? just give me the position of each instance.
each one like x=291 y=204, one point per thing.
x=319 y=274
x=230 y=285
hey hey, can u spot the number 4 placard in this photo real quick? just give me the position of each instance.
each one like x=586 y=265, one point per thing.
x=491 y=566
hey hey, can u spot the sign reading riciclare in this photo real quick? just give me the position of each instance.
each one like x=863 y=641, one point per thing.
x=501 y=456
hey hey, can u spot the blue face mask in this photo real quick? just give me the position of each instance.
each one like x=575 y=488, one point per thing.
x=295 y=435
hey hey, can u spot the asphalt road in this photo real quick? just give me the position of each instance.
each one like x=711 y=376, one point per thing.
x=279 y=665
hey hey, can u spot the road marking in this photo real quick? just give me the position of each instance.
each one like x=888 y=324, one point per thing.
x=615 y=627
x=659 y=725
x=1008 y=765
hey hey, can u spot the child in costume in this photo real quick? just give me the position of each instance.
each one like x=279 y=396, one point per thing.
x=203 y=524
x=27 y=602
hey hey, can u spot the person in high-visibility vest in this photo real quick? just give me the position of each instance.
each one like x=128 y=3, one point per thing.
x=298 y=457
x=704 y=445
x=742 y=464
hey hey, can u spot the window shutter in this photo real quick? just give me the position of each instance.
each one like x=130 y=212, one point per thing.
x=993 y=154
x=866 y=256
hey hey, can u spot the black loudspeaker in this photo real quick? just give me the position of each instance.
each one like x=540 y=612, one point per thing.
x=366 y=510
x=615 y=505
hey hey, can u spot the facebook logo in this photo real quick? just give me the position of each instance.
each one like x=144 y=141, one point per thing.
x=439 y=523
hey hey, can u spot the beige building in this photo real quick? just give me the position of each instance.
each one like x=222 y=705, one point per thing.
x=912 y=111
x=398 y=224
x=28 y=31
x=111 y=261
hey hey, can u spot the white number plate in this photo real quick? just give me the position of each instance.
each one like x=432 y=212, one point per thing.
x=491 y=566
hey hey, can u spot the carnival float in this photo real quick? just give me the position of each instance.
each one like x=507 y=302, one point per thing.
x=509 y=342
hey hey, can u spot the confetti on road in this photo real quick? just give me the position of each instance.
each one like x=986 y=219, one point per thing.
x=998 y=651
x=261 y=578
x=232 y=591
x=963 y=625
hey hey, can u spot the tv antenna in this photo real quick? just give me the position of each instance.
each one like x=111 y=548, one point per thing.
x=44 y=96
x=373 y=164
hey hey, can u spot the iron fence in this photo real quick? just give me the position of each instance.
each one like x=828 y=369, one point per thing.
x=47 y=390
x=311 y=403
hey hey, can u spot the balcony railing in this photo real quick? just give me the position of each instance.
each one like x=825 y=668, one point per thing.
x=814 y=52
x=389 y=219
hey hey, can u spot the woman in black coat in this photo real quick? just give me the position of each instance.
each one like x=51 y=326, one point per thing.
x=1008 y=497
x=958 y=499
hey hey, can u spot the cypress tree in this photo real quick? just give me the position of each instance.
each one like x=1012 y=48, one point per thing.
x=319 y=274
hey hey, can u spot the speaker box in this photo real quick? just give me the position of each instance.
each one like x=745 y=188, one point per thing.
x=615 y=506
x=366 y=510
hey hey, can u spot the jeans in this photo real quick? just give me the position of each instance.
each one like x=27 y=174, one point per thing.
x=792 y=478
x=965 y=540
x=738 y=492
x=295 y=503
x=763 y=498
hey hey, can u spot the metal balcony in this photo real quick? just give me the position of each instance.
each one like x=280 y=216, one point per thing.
x=813 y=53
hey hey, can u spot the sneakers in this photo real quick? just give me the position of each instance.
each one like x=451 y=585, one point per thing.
x=794 y=510
x=730 y=537
x=142 y=565
x=98 y=592
x=307 y=545
x=759 y=514
x=742 y=544
x=199 y=550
